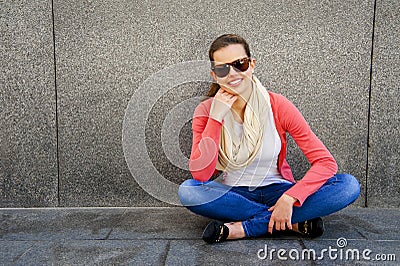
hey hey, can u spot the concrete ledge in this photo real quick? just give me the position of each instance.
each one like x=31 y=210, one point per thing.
x=172 y=236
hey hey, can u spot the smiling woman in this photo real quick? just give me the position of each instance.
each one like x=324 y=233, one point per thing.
x=238 y=158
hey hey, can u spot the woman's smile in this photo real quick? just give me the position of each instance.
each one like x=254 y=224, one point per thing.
x=235 y=82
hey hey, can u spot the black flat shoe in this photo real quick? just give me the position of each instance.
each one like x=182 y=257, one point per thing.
x=312 y=228
x=215 y=232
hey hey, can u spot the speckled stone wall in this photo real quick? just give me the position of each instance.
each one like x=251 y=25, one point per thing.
x=28 y=151
x=316 y=53
x=384 y=145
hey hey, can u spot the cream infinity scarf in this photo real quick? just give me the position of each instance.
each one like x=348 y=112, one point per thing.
x=234 y=152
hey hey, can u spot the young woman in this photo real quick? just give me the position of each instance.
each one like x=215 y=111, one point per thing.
x=240 y=134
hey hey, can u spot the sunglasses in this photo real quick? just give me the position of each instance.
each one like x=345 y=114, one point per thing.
x=223 y=70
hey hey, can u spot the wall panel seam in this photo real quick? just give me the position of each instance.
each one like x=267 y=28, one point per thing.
x=369 y=104
x=56 y=106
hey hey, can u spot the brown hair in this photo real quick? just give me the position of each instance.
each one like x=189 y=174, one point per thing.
x=220 y=42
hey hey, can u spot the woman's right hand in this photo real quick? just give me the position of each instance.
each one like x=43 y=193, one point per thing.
x=221 y=104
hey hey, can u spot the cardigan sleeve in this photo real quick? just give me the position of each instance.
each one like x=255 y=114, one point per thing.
x=206 y=135
x=323 y=165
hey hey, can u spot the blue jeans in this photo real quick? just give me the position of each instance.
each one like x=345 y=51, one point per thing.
x=250 y=205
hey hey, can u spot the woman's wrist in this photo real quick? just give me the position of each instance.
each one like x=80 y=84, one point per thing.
x=289 y=198
x=216 y=116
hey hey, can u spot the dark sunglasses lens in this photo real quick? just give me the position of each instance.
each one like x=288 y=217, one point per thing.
x=221 y=71
x=241 y=64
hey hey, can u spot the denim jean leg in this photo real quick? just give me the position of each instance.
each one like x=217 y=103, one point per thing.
x=217 y=201
x=337 y=193
x=258 y=224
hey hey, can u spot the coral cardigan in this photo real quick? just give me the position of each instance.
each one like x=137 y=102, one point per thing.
x=288 y=119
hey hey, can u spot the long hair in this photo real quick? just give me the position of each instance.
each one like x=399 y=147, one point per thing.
x=220 y=42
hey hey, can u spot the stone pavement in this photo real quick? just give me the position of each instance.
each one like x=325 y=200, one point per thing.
x=172 y=236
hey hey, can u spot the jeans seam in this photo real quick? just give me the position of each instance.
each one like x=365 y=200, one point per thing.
x=246 y=231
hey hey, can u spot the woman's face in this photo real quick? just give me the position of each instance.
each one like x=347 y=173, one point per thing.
x=236 y=82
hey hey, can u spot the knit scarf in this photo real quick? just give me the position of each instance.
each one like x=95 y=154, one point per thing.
x=236 y=153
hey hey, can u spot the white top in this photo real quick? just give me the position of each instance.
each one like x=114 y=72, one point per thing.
x=264 y=169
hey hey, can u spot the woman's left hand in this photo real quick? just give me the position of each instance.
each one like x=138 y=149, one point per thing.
x=281 y=213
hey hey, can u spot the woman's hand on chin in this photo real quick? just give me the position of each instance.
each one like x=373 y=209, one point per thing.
x=221 y=104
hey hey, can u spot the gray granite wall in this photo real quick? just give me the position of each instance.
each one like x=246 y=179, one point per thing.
x=384 y=142
x=28 y=136
x=83 y=103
